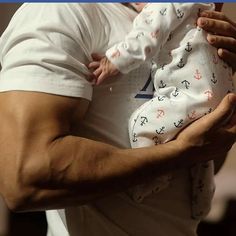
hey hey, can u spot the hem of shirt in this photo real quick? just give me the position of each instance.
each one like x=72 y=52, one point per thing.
x=38 y=85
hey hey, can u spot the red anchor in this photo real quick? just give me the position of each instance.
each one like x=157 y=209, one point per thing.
x=209 y=94
x=155 y=34
x=160 y=113
x=197 y=75
x=192 y=115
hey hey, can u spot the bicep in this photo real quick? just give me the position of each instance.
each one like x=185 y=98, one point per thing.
x=34 y=111
x=30 y=122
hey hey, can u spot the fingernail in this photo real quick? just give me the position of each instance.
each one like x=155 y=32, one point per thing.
x=204 y=14
x=203 y=22
x=211 y=39
x=220 y=52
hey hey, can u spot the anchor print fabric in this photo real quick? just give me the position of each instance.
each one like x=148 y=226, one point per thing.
x=189 y=79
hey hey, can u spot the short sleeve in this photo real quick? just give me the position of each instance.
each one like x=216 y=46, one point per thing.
x=46 y=49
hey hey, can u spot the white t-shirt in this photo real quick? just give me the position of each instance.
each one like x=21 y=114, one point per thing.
x=45 y=49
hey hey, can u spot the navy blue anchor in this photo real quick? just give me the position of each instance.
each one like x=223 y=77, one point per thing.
x=188 y=47
x=180 y=13
x=213 y=80
x=161 y=130
x=163 y=12
x=135 y=137
x=186 y=84
x=144 y=120
x=160 y=98
x=176 y=92
x=140 y=34
x=162 y=84
x=179 y=124
x=181 y=63
x=156 y=140
x=209 y=111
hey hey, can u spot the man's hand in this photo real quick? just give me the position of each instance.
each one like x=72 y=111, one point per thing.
x=213 y=135
x=222 y=34
x=103 y=68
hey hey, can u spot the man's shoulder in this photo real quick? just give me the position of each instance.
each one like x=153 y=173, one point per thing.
x=55 y=11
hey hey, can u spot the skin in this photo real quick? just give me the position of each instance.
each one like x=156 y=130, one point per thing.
x=44 y=164
x=103 y=68
x=222 y=34
x=48 y=166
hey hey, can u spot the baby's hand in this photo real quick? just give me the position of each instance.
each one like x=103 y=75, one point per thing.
x=103 y=69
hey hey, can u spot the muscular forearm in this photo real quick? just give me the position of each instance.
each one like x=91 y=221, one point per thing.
x=82 y=170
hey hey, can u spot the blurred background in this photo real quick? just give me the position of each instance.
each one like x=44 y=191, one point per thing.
x=220 y=222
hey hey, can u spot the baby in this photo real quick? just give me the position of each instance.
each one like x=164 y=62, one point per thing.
x=189 y=80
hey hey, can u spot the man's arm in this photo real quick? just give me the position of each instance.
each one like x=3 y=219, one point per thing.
x=43 y=165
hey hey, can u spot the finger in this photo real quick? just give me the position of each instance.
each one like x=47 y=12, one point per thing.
x=98 y=82
x=231 y=125
x=228 y=57
x=222 y=42
x=91 y=77
x=97 y=72
x=96 y=56
x=226 y=48
x=214 y=15
x=221 y=114
x=94 y=65
x=217 y=15
x=101 y=78
x=94 y=82
x=218 y=27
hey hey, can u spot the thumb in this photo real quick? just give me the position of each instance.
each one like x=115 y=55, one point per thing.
x=228 y=57
x=222 y=114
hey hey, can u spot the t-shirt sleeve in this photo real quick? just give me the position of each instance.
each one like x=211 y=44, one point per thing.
x=150 y=31
x=44 y=49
